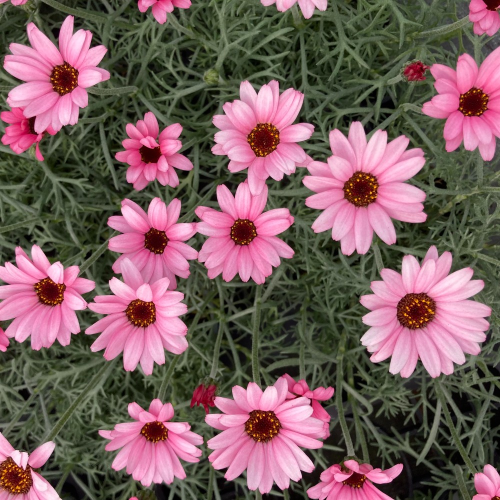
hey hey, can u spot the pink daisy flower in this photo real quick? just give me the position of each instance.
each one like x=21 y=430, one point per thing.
x=485 y=16
x=161 y=7
x=242 y=239
x=306 y=6
x=257 y=133
x=20 y=134
x=151 y=157
x=151 y=446
x=18 y=478
x=56 y=78
x=363 y=187
x=354 y=481
x=15 y=2
x=4 y=341
x=423 y=313
x=262 y=432
x=469 y=99
x=300 y=388
x=42 y=299
x=487 y=484
x=142 y=320
x=153 y=241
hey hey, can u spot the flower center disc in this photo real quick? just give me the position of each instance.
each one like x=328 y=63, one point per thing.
x=155 y=241
x=15 y=479
x=492 y=5
x=474 y=102
x=141 y=313
x=154 y=431
x=150 y=155
x=50 y=293
x=262 y=426
x=361 y=189
x=416 y=310
x=243 y=231
x=264 y=139
x=31 y=125
x=356 y=480
x=64 y=79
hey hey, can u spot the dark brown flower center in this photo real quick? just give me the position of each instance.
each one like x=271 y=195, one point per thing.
x=15 y=479
x=262 y=426
x=141 y=313
x=496 y=498
x=64 y=79
x=416 y=310
x=243 y=231
x=264 y=139
x=50 y=293
x=356 y=480
x=474 y=102
x=31 y=125
x=361 y=189
x=492 y=5
x=155 y=241
x=154 y=431
x=150 y=155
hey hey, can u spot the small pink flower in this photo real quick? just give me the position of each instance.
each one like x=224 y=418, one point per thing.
x=18 y=479
x=363 y=186
x=242 y=240
x=42 y=298
x=56 y=78
x=153 y=241
x=151 y=446
x=422 y=313
x=15 y=2
x=354 y=481
x=469 y=99
x=485 y=16
x=262 y=432
x=415 y=71
x=204 y=394
x=149 y=158
x=257 y=133
x=20 y=134
x=487 y=484
x=161 y=7
x=306 y=6
x=142 y=320
x=4 y=341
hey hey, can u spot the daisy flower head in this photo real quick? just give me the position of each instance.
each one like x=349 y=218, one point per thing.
x=142 y=320
x=487 y=484
x=362 y=187
x=485 y=16
x=242 y=238
x=152 y=445
x=424 y=313
x=153 y=241
x=469 y=100
x=56 y=78
x=306 y=6
x=151 y=154
x=160 y=8
x=256 y=132
x=262 y=433
x=41 y=298
x=354 y=481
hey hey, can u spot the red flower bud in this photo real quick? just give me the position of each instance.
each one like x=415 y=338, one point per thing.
x=414 y=71
x=204 y=394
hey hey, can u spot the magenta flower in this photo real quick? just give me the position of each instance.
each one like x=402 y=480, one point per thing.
x=242 y=240
x=485 y=16
x=469 y=99
x=422 y=313
x=262 y=432
x=257 y=133
x=204 y=394
x=42 y=299
x=354 y=481
x=18 y=478
x=15 y=2
x=142 y=320
x=151 y=446
x=306 y=6
x=56 y=78
x=153 y=241
x=363 y=186
x=4 y=341
x=161 y=7
x=487 y=484
x=149 y=158
x=415 y=71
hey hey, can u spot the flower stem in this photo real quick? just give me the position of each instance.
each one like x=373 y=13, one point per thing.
x=461 y=483
x=357 y=420
x=442 y=30
x=163 y=388
x=220 y=333
x=210 y=490
x=255 y=335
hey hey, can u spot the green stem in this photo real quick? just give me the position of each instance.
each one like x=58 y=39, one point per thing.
x=210 y=490
x=163 y=388
x=442 y=30
x=461 y=483
x=255 y=335
x=220 y=333
x=286 y=495
x=357 y=420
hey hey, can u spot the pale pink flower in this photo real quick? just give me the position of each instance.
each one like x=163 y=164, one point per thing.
x=306 y=6
x=257 y=133
x=142 y=320
x=363 y=186
x=15 y=2
x=469 y=99
x=153 y=241
x=4 y=341
x=262 y=432
x=242 y=239
x=423 y=313
x=151 y=157
x=162 y=7
x=18 y=479
x=353 y=481
x=151 y=446
x=42 y=298
x=485 y=16
x=487 y=484
x=56 y=78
